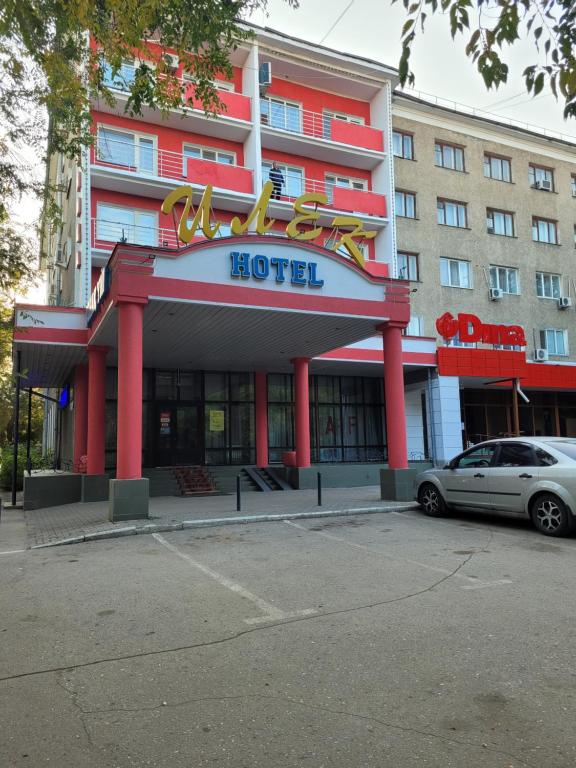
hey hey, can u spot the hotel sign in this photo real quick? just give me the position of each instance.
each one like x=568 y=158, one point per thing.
x=260 y=267
x=193 y=219
x=470 y=328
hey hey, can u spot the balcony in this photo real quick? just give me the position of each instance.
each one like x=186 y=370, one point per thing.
x=234 y=123
x=366 y=205
x=135 y=166
x=105 y=233
x=289 y=128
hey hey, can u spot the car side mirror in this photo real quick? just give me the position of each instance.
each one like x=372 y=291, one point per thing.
x=451 y=464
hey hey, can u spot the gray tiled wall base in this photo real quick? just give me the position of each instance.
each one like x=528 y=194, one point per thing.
x=129 y=499
x=397 y=484
x=94 y=488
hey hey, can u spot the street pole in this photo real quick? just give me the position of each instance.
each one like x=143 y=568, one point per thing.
x=16 y=424
x=515 y=412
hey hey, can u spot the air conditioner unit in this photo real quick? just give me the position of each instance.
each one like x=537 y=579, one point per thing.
x=171 y=61
x=564 y=302
x=61 y=257
x=265 y=77
x=540 y=355
x=496 y=294
x=544 y=184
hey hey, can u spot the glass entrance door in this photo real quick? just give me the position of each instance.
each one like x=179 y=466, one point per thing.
x=179 y=435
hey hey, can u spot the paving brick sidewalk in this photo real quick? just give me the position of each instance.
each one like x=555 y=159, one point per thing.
x=72 y=520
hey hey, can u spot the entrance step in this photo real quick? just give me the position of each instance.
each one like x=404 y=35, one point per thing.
x=194 y=481
x=251 y=479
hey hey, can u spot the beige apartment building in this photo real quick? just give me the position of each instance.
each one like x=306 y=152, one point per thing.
x=486 y=225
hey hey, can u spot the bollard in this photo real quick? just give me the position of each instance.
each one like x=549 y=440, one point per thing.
x=238 y=497
x=319 y=489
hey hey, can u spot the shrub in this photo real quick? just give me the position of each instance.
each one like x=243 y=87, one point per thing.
x=6 y=459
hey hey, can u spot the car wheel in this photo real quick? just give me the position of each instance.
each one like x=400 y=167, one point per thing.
x=550 y=515
x=431 y=500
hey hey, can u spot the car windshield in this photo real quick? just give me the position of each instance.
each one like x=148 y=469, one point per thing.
x=565 y=447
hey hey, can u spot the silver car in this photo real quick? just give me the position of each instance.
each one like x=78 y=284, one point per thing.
x=532 y=477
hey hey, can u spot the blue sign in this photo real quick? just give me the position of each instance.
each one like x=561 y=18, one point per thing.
x=281 y=270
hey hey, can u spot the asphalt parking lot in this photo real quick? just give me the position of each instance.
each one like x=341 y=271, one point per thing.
x=378 y=640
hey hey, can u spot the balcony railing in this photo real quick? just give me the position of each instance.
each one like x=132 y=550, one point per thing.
x=236 y=105
x=107 y=232
x=340 y=198
x=295 y=120
x=139 y=156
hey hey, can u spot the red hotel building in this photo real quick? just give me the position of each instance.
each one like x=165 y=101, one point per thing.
x=250 y=347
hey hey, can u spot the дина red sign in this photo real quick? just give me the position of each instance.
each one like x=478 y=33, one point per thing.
x=470 y=328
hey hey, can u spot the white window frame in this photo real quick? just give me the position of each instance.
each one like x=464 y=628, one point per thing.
x=404 y=195
x=137 y=136
x=415 y=327
x=128 y=66
x=537 y=173
x=269 y=100
x=494 y=215
x=551 y=226
x=442 y=150
x=412 y=266
x=558 y=332
x=330 y=241
x=202 y=149
x=135 y=225
x=403 y=135
x=500 y=278
x=332 y=180
x=494 y=164
x=441 y=204
x=445 y=260
x=573 y=184
x=455 y=342
x=343 y=117
x=551 y=278
x=287 y=170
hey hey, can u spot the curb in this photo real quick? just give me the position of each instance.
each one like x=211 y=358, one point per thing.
x=133 y=530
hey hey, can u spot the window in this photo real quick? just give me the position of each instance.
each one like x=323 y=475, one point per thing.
x=573 y=184
x=516 y=455
x=544 y=458
x=499 y=222
x=293 y=185
x=403 y=145
x=127 y=149
x=328 y=116
x=405 y=204
x=279 y=113
x=448 y=156
x=415 y=326
x=407 y=266
x=345 y=182
x=541 y=178
x=330 y=241
x=554 y=341
x=123 y=79
x=204 y=153
x=451 y=213
x=477 y=457
x=505 y=278
x=497 y=168
x=547 y=285
x=455 y=342
x=507 y=347
x=455 y=273
x=544 y=231
x=126 y=225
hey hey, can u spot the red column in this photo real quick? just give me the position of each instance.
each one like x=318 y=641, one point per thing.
x=80 y=415
x=96 y=410
x=302 y=411
x=394 y=396
x=129 y=430
x=261 y=414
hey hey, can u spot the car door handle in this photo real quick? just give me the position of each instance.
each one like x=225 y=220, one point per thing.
x=479 y=474
x=525 y=476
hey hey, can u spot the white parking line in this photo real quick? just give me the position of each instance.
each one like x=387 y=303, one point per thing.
x=271 y=612
x=474 y=583
x=13 y=551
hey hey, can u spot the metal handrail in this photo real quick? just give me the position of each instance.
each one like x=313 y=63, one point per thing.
x=109 y=232
x=165 y=163
x=295 y=119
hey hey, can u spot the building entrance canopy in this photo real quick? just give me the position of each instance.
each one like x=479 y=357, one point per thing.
x=245 y=303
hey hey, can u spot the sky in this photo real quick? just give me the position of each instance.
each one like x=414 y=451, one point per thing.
x=372 y=28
